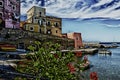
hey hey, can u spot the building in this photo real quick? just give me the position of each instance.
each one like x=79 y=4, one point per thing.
x=32 y=27
x=76 y=37
x=37 y=21
x=22 y=23
x=10 y=13
x=23 y=39
x=54 y=25
x=36 y=15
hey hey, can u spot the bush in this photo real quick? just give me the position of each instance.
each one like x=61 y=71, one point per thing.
x=48 y=62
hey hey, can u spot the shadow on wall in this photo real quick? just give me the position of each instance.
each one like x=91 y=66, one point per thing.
x=2 y=23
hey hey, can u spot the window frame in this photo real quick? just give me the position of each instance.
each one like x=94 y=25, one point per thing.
x=56 y=31
x=2 y=4
x=1 y=13
x=14 y=7
x=56 y=24
x=30 y=28
x=40 y=14
x=48 y=23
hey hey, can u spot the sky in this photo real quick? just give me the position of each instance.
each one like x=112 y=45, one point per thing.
x=97 y=20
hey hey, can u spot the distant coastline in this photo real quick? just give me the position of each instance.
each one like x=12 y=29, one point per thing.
x=109 y=42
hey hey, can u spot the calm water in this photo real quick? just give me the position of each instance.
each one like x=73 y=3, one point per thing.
x=107 y=67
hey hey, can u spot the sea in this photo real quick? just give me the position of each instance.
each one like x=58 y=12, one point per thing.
x=107 y=66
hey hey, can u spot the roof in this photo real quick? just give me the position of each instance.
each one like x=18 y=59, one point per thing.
x=52 y=17
x=33 y=23
x=35 y=7
x=72 y=33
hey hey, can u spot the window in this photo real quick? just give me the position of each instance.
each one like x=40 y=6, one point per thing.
x=56 y=31
x=40 y=14
x=40 y=31
x=56 y=24
x=13 y=26
x=31 y=29
x=48 y=23
x=44 y=20
x=77 y=38
x=1 y=3
x=0 y=21
x=35 y=18
x=40 y=22
x=49 y=31
x=1 y=14
x=14 y=7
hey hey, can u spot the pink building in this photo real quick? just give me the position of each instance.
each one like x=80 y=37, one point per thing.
x=76 y=37
x=10 y=13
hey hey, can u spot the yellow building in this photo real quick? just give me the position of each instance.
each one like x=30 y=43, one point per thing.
x=36 y=15
x=54 y=25
x=37 y=21
x=22 y=23
x=32 y=27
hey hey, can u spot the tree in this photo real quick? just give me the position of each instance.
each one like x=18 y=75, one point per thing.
x=48 y=62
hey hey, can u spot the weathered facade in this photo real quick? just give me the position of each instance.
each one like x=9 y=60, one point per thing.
x=22 y=23
x=22 y=39
x=36 y=15
x=76 y=37
x=10 y=13
x=54 y=25
x=37 y=19
x=32 y=27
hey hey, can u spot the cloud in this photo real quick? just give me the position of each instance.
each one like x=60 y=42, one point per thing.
x=112 y=26
x=68 y=9
x=111 y=23
x=101 y=2
x=27 y=4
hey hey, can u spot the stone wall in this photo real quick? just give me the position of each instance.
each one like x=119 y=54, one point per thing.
x=26 y=37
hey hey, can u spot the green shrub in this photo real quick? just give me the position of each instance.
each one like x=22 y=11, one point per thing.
x=44 y=63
